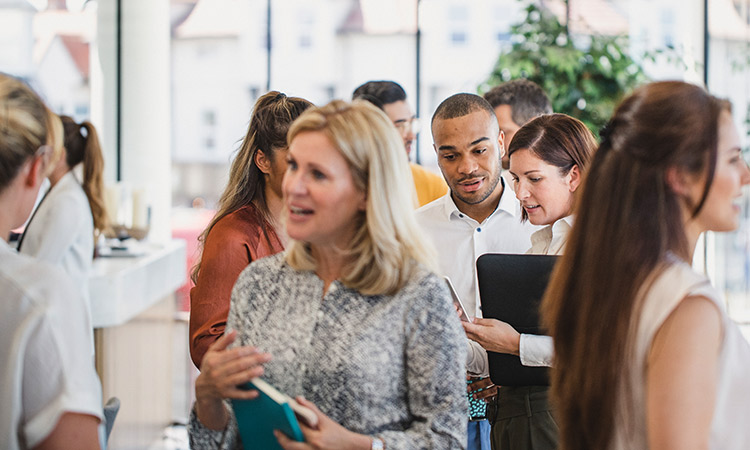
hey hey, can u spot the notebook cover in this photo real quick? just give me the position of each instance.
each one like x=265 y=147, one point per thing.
x=257 y=418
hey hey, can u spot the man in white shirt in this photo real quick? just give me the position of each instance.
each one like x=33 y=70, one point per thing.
x=479 y=215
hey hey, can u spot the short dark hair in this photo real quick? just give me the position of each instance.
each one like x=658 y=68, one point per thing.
x=525 y=98
x=380 y=93
x=459 y=105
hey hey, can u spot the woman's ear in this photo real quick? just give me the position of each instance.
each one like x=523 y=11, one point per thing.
x=681 y=183
x=262 y=161
x=574 y=178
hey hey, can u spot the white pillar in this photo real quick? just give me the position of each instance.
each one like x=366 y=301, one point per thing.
x=144 y=84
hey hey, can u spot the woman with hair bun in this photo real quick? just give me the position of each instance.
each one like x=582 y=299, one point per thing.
x=247 y=226
x=64 y=228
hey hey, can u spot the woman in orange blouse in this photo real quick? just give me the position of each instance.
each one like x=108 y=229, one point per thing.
x=246 y=227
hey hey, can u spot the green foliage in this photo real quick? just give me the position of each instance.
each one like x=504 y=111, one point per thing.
x=584 y=79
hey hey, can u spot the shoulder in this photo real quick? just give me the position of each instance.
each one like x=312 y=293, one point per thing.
x=37 y=283
x=244 y=224
x=269 y=269
x=421 y=174
x=432 y=211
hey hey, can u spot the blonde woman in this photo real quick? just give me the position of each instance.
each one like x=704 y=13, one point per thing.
x=351 y=316
x=51 y=393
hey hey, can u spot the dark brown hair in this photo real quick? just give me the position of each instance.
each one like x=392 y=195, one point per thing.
x=557 y=139
x=629 y=220
x=272 y=115
x=81 y=143
x=525 y=98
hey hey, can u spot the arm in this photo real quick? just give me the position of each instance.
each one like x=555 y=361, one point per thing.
x=435 y=375
x=499 y=337
x=225 y=255
x=681 y=376
x=78 y=431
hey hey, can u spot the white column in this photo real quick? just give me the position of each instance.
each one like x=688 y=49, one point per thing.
x=144 y=101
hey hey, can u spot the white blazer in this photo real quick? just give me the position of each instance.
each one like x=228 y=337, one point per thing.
x=61 y=232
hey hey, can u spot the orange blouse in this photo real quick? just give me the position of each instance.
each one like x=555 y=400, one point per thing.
x=235 y=240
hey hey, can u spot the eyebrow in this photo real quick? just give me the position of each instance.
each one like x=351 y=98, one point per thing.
x=452 y=147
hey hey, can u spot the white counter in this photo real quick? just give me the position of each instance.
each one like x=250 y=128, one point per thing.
x=123 y=287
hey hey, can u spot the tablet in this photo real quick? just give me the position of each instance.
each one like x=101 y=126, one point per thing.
x=511 y=288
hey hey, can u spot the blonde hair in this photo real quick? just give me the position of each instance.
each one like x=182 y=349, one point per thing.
x=24 y=123
x=54 y=141
x=387 y=247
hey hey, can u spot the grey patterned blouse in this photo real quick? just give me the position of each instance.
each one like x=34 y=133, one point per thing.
x=387 y=366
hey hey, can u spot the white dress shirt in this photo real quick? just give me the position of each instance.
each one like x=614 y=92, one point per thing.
x=460 y=240
x=537 y=350
x=61 y=232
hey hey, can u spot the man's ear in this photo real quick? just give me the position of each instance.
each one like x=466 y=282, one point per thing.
x=574 y=178
x=262 y=161
x=501 y=143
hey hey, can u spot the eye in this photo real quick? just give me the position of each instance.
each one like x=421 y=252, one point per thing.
x=479 y=151
x=318 y=175
x=449 y=157
x=291 y=164
x=515 y=178
x=535 y=179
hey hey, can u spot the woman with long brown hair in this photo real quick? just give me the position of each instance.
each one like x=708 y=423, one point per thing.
x=645 y=355
x=64 y=228
x=247 y=224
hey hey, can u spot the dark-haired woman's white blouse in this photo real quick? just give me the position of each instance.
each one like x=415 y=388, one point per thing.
x=387 y=366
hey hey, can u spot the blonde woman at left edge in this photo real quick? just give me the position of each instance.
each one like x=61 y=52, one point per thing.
x=351 y=316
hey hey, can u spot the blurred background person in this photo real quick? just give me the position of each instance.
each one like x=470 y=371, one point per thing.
x=65 y=225
x=51 y=393
x=351 y=316
x=247 y=226
x=645 y=355
x=515 y=103
x=390 y=97
x=548 y=160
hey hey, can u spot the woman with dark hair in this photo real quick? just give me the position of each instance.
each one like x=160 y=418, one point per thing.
x=64 y=228
x=548 y=160
x=51 y=396
x=247 y=225
x=645 y=355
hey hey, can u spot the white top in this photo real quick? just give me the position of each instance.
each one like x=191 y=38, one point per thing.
x=729 y=429
x=61 y=232
x=460 y=240
x=46 y=367
x=536 y=350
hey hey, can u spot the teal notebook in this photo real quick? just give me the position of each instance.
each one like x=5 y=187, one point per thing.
x=271 y=410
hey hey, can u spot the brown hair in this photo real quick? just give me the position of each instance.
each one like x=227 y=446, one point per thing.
x=525 y=98
x=272 y=115
x=82 y=146
x=629 y=220
x=24 y=122
x=557 y=139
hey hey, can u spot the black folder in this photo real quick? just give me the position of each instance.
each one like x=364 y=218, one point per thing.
x=511 y=288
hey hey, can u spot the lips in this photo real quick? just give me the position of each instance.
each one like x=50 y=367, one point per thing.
x=472 y=185
x=530 y=209
x=297 y=212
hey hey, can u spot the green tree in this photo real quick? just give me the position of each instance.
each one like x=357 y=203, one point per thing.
x=584 y=76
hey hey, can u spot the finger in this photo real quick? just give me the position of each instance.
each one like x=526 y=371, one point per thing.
x=307 y=403
x=231 y=382
x=486 y=393
x=483 y=322
x=240 y=365
x=221 y=357
x=224 y=341
x=241 y=394
x=288 y=444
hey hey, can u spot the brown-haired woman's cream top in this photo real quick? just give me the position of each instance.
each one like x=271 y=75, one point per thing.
x=729 y=428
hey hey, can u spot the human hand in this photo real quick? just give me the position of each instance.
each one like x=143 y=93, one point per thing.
x=493 y=335
x=327 y=435
x=222 y=371
x=481 y=388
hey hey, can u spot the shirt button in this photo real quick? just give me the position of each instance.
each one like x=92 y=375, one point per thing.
x=461 y=216
x=479 y=229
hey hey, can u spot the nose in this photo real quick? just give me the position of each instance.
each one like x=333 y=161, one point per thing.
x=522 y=191
x=467 y=165
x=293 y=183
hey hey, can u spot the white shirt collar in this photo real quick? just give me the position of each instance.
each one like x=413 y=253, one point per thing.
x=506 y=203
